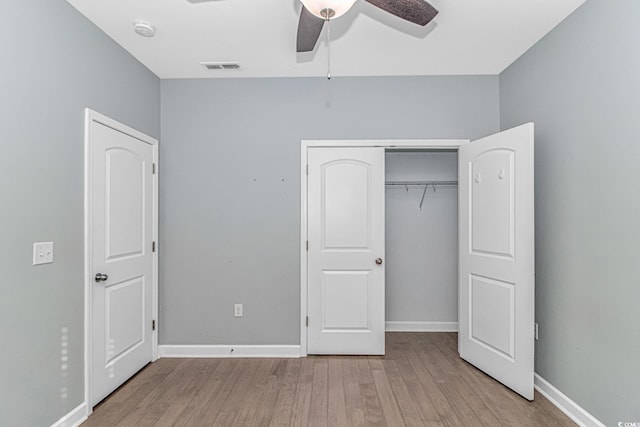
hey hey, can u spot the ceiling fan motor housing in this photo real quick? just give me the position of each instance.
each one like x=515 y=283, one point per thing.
x=328 y=13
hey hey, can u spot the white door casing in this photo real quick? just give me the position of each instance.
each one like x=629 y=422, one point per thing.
x=496 y=260
x=121 y=225
x=346 y=251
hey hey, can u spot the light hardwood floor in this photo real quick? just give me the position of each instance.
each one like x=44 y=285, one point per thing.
x=420 y=382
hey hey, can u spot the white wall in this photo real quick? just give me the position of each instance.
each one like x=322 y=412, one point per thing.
x=421 y=245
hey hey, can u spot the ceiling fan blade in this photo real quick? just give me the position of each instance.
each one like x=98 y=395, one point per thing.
x=309 y=29
x=417 y=11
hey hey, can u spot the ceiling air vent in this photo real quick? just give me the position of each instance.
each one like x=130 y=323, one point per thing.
x=221 y=65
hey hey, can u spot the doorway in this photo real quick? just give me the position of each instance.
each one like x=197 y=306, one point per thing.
x=421 y=240
x=372 y=182
x=121 y=212
x=495 y=223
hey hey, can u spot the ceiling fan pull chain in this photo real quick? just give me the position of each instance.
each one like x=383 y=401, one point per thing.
x=328 y=48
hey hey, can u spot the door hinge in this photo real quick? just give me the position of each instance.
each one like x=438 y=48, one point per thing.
x=153 y=246
x=153 y=168
x=307 y=245
x=153 y=325
x=307 y=321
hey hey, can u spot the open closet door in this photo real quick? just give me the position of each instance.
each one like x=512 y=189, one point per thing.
x=496 y=295
x=345 y=301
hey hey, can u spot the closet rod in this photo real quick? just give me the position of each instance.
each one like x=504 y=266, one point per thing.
x=420 y=183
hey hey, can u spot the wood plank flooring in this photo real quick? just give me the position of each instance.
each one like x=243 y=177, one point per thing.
x=420 y=382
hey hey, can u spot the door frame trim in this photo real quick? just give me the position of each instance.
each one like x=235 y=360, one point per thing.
x=90 y=117
x=395 y=144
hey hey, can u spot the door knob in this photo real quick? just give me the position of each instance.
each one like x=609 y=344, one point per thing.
x=379 y=261
x=101 y=277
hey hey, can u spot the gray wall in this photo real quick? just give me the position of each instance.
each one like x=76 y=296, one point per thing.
x=54 y=64
x=230 y=186
x=581 y=87
x=421 y=245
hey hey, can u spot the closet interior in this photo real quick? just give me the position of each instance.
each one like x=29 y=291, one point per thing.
x=421 y=239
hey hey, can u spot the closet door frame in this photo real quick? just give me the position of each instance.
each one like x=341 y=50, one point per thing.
x=395 y=144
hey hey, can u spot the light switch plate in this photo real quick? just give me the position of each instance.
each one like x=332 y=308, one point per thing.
x=42 y=253
x=237 y=310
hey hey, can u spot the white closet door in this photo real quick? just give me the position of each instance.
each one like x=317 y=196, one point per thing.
x=346 y=305
x=496 y=316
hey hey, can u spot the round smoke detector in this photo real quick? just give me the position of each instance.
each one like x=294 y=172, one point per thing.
x=144 y=28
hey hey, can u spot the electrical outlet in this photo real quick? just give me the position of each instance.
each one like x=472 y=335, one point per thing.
x=42 y=253
x=535 y=328
x=237 y=310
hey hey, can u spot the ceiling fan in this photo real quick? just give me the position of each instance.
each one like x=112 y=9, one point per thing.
x=316 y=12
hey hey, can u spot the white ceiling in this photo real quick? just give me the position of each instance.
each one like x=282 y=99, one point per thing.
x=467 y=37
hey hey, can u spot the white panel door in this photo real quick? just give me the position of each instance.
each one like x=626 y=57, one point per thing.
x=346 y=251
x=496 y=293
x=122 y=220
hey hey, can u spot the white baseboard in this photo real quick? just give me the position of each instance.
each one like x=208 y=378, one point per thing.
x=566 y=405
x=73 y=418
x=393 y=326
x=229 y=350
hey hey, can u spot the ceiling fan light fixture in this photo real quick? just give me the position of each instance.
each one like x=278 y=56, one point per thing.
x=328 y=9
